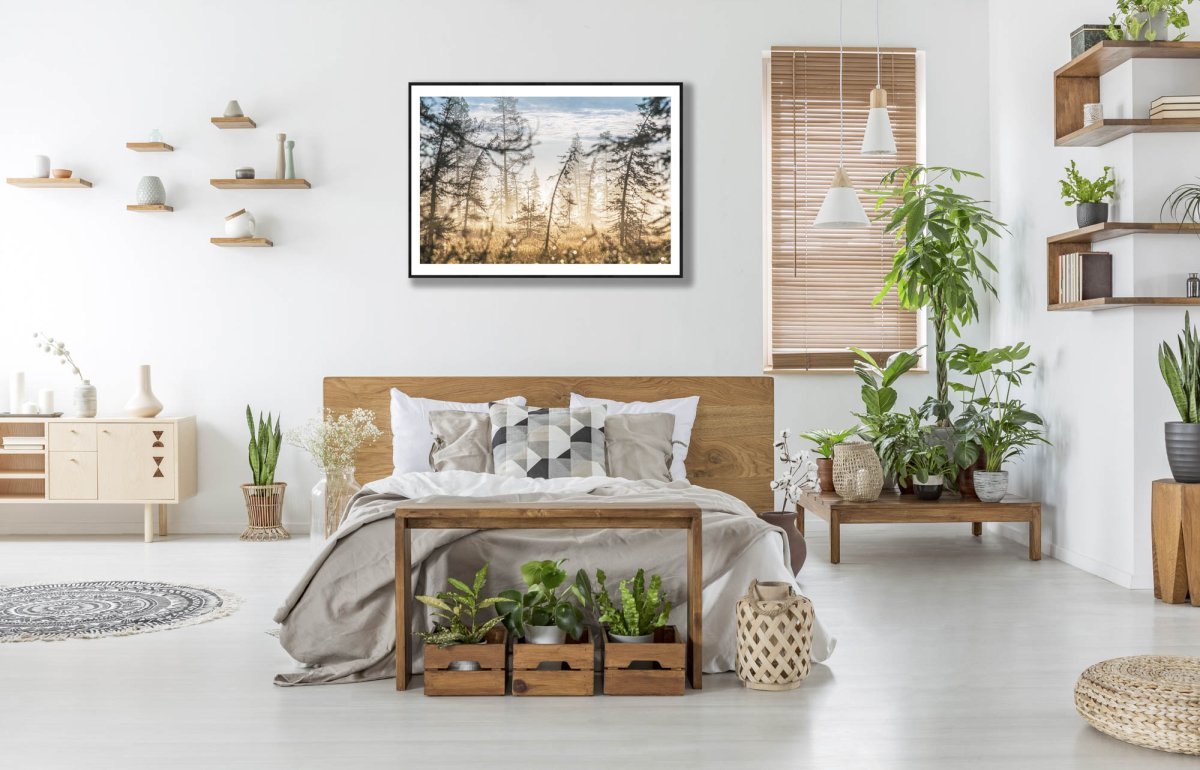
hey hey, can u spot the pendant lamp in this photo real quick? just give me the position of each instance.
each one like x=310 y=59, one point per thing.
x=878 y=140
x=841 y=209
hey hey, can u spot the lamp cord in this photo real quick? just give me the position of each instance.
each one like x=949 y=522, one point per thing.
x=878 y=51
x=841 y=96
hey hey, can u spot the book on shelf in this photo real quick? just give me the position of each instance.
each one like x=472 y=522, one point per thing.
x=1170 y=114
x=1083 y=276
x=1164 y=101
x=22 y=441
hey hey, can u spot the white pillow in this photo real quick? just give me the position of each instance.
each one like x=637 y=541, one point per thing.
x=411 y=437
x=684 y=410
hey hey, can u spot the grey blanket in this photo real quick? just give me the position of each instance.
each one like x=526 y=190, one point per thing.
x=339 y=620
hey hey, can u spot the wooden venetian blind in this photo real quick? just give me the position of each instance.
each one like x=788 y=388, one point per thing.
x=822 y=282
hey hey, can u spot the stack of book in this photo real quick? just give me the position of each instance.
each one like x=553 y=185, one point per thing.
x=25 y=442
x=1084 y=275
x=1175 y=107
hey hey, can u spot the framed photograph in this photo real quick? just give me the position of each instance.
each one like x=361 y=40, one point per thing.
x=544 y=180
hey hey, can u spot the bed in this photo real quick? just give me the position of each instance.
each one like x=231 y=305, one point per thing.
x=338 y=622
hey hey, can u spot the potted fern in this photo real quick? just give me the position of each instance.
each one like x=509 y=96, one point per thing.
x=1089 y=196
x=640 y=609
x=457 y=614
x=264 y=497
x=1182 y=374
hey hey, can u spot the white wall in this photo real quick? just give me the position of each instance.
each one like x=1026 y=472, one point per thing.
x=223 y=327
x=1098 y=385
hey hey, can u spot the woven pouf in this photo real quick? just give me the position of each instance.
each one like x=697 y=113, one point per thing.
x=1146 y=700
x=774 y=637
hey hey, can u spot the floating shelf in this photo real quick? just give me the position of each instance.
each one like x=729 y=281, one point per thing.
x=239 y=122
x=1110 y=303
x=149 y=147
x=1109 y=230
x=260 y=184
x=245 y=242
x=1105 y=131
x=1078 y=83
x=150 y=207
x=74 y=183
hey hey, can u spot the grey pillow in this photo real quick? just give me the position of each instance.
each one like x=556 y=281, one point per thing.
x=638 y=446
x=461 y=441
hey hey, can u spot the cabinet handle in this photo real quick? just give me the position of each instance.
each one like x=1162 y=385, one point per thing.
x=75 y=431
x=74 y=461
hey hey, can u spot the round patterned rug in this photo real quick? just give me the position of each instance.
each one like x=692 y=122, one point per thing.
x=106 y=608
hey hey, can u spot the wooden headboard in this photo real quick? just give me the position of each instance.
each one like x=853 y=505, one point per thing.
x=732 y=440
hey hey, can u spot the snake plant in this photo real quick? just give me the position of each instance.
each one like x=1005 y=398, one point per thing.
x=1182 y=372
x=264 y=448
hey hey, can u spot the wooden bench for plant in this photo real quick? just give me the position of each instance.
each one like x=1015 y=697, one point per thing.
x=489 y=680
x=667 y=652
x=575 y=675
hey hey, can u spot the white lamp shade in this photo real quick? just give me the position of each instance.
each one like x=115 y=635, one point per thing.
x=841 y=209
x=878 y=139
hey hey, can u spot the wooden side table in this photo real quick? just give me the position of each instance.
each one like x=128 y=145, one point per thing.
x=557 y=516
x=1175 y=539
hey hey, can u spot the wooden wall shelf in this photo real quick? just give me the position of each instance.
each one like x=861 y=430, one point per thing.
x=1109 y=230
x=149 y=207
x=1109 y=303
x=260 y=184
x=149 y=147
x=1105 y=131
x=1078 y=82
x=74 y=183
x=238 y=122
x=245 y=242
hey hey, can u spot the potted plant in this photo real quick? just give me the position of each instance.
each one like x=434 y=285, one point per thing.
x=1148 y=20
x=1088 y=196
x=1184 y=204
x=264 y=497
x=1182 y=374
x=878 y=421
x=457 y=617
x=825 y=440
x=941 y=259
x=84 y=397
x=928 y=465
x=542 y=614
x=640 y=608
x=333 y=445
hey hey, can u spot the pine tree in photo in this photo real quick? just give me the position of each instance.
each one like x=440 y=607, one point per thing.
x=569 y=160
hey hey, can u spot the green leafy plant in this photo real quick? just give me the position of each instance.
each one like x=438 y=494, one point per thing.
x=1184 y=204
x=941 y=260
x=642 y=607
x=878 y=421
x=265 y=442
x=826 y=439
x=1127 y=23
x=1182 y=372
x=926 y=460
x=1077 y=188
x=542 y=604
x=457 y=613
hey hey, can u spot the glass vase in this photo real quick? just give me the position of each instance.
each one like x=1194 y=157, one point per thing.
x=328 y=502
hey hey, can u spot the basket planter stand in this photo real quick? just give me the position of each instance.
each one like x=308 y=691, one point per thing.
x=264 y=510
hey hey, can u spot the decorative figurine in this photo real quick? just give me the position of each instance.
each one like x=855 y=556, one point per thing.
x=289 y=171
x=279 y=164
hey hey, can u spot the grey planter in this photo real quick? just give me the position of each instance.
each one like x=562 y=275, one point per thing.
x=640 y=639
x=1183 y=451
x=150 y=191
x=1088 y=214
x=545 y=634
x=929 y=488
x=991 y=486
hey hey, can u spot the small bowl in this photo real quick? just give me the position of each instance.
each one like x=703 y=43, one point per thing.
x=244 y=173
x=60 y=173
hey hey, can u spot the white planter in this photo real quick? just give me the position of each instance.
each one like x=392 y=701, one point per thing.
x=41 y=167
x=150 y=191
x=143 y=403
x=465 y=665
x=545 y=635
x=991 y=487
x=640 y=639
x=240 y=224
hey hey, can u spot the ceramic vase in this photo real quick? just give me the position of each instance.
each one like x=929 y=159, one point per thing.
x=991 y=486
x=857 y=474
x=240 y=224
x=83 y=399
x=233 y=109
x=786 y=520
x=150 y=191
x=279 y=161
x=289 y=166
x=1183 y=451
x=143 y=403
x=41 y=167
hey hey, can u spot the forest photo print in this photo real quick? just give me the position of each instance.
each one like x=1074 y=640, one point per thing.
x=561 y=179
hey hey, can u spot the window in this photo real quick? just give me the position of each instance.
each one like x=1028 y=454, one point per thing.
x=821 y=283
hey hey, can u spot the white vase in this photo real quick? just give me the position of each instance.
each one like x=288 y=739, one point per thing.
x=545 y=634
x=83 y=399
x=143 y=403
x=46 y=401
x=41 y=167
x=150 y=191
x=16 y=392
x=240 y=224
x=991 y=487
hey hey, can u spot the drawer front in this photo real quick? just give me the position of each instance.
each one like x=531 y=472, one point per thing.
x=136 y=461
x=71 y=436
x=71 y=476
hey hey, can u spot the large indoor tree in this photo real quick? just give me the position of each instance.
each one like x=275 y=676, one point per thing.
x=941 y=261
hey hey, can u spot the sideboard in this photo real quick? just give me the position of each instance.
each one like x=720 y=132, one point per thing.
x=151 y=462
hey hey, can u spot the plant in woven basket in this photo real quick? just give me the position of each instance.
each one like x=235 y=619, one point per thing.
x=265 y=442
x=543 y=606
x=457 y=613
x=641 y=609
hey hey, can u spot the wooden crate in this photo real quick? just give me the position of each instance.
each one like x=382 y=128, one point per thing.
x=576 y=677
x=667 y=650
x=489 y=680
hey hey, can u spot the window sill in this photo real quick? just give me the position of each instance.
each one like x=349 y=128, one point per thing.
x=769 y=370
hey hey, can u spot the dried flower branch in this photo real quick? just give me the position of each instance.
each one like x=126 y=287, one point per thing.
x=58 y=349
x=800 y=472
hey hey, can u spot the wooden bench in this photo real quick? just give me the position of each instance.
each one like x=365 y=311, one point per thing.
x=894 y=508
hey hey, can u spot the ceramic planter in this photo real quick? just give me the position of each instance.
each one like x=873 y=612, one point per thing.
x=786 y=520
x=991 y=486
x=825 y=473
x=545 y=635
x=240 y=224
x=928 y=488
x=150 y=191
x=639 y=639
x=1183 y=451
x=1087 y=214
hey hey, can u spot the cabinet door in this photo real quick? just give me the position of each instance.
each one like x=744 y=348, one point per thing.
x=72 y=475
x=136 y=460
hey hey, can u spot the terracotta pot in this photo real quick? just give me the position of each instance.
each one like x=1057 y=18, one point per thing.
x=825 y=473
x=966 y=480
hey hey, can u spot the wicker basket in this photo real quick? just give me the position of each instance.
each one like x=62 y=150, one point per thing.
x=264 y=509
x=1146 y=700
x=857 y=474
x=774 y=637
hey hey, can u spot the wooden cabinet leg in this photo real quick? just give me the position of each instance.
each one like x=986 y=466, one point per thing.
x=977 y=528
x=162 y=519
x=148 y=523
x=835 y=538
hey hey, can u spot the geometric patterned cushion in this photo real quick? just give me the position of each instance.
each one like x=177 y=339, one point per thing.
x=548 y=443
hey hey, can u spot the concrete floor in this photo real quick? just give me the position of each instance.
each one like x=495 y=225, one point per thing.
x=953 y=652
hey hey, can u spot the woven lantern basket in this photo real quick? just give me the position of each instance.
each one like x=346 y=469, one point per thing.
x=264 y=510
x=1147 y=700
x=857 y=473
x=774 y=637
